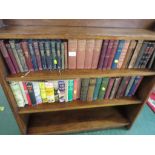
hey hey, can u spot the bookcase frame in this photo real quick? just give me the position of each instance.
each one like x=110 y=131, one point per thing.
x=77 y=116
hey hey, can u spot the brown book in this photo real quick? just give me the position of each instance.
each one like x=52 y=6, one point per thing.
x=66 y=55
x=129 y=54
x=89 y=53
x=91 y=88
x=72 y=49
x=78 y=88
x=81 y=47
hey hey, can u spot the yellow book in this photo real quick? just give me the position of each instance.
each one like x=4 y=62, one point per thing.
x=49 y=92
x=43 y=91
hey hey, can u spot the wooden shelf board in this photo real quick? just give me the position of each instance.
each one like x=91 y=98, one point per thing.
x=75 y=121
x=62 y=32
x=73 y=74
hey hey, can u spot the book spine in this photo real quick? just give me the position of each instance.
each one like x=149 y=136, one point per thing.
x=7 y=58
x=48 y=55
x=49 y=92
x=91 y=89
x=17 y=94
x=97 y=88
x=62 y=55
x=78 y=88
x=70 y=89
x=150 y=63
x=66 y=55
x=37 y=92
x=43 y=91
x=72 y=51
x=54 y=55
x=106 y=59
x=84 y=89
x=102 y=54
x=123 y=54
x=81 y=47
x=89 y=53
x=61 y=88
x=12 y=57
x=56 y=95
x=75 y=89
x=59 y=58
x=66 y=90
x=96 y=53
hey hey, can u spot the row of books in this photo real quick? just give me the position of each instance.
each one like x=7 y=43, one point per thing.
x=33 y=93
x=33 y=55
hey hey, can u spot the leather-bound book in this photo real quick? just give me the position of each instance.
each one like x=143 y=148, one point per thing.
x=52 y=56
x=91 y=88
x=97 y=88
x=123 y=53
x=58 y=51
x=89 y=53
x=96 y=53
x=62 y=55
x=129 y=54
x=66 y=54
x=84 y=89
x=81 y=48
x=72 y=51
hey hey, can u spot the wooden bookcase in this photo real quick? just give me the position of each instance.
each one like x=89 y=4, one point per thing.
x=77 y=116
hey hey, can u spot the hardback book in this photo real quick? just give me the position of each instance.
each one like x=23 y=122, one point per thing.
x=72 y=51
x=75 y=89
x=115 y=87
x=107 y=55
x=31 y=92
x=103 y=87
x=61 y=90
x=7 y=57
x=78 y=88
x=43 y=91
x=112 y=54
x=21 y=56
x=123 y=54
x=84 y=89
x=109 y=88
x=91 y=88
x=103 y=53
x=70 y=90
x=117 y=54
x=81 y=49
x=135 y=54
x=97 y=88
x=62 y=55
x=49 y=92
x=56 y=94
x=12 y=44
x=66 y=90
x=12 y=57
x=17 y=94
x=89 y=53
x=37 y=92
x=42 y=54
x=129 y=54
x=53 y=61
x=66 y=54
x=48 y=54
x=32 y=54
x=37 y=53
x=58 y=51
x=151 y=61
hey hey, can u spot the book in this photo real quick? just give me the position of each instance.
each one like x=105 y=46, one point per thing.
x=102 y=53
x=150 y=63
x=37 y=92
x=91 y=88
x=135 y=54
x=7 y=57
x=49 y=92
x=56 y=94
x=66 y=90
x=48 y=54
x=89 y=53
x=97 y=88
x=96 y=53
x=75 y=89
x=62 y=55
x=123 y=54
x=61 y=90
x=78 y=88
x=37 y=53
x=58 y=51
x=43 y=91
x=129 y=54
x=103 y=87
x=117 y=54
x=84 y=89
x=72 y=49
x=81 y=47
x=17 y=94
x=53 y=61
x=66 y=55
x=112 y=54
x=70 y=89
x=107 y=55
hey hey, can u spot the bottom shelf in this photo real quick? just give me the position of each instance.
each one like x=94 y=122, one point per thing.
x=76 y=121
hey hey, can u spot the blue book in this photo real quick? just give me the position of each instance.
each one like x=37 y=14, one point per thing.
x=33 y=56
x=97 y=88
x=54 y=54
x=118 y=53
x=58 y=50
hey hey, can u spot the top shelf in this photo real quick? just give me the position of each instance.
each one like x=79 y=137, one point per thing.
x=62 y=32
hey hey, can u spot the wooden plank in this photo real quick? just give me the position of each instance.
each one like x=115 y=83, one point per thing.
x=83 y=73
x=55 y=32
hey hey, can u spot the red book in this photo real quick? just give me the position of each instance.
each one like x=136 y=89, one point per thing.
x=75 y=89
x=78 y=88
x=112 y=54
x=89 y=53
x=151 y=101
x=66 y=55
x=110 y=85
x=81 y=47
x=27 y=56
x=7 y=57
x=72 y=49
x=108 y=53
x=96 y=53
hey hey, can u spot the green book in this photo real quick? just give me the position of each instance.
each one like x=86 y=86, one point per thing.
x=103 y=88
x=84 y=89
x=97 y=88
x=70 y=89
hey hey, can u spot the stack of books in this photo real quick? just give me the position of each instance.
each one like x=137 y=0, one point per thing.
x=34 y=93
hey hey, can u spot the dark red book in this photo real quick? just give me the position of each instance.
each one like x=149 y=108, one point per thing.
x=112 y=54
x=103 y=53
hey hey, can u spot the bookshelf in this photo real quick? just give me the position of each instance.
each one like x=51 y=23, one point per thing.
x=77 y=116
